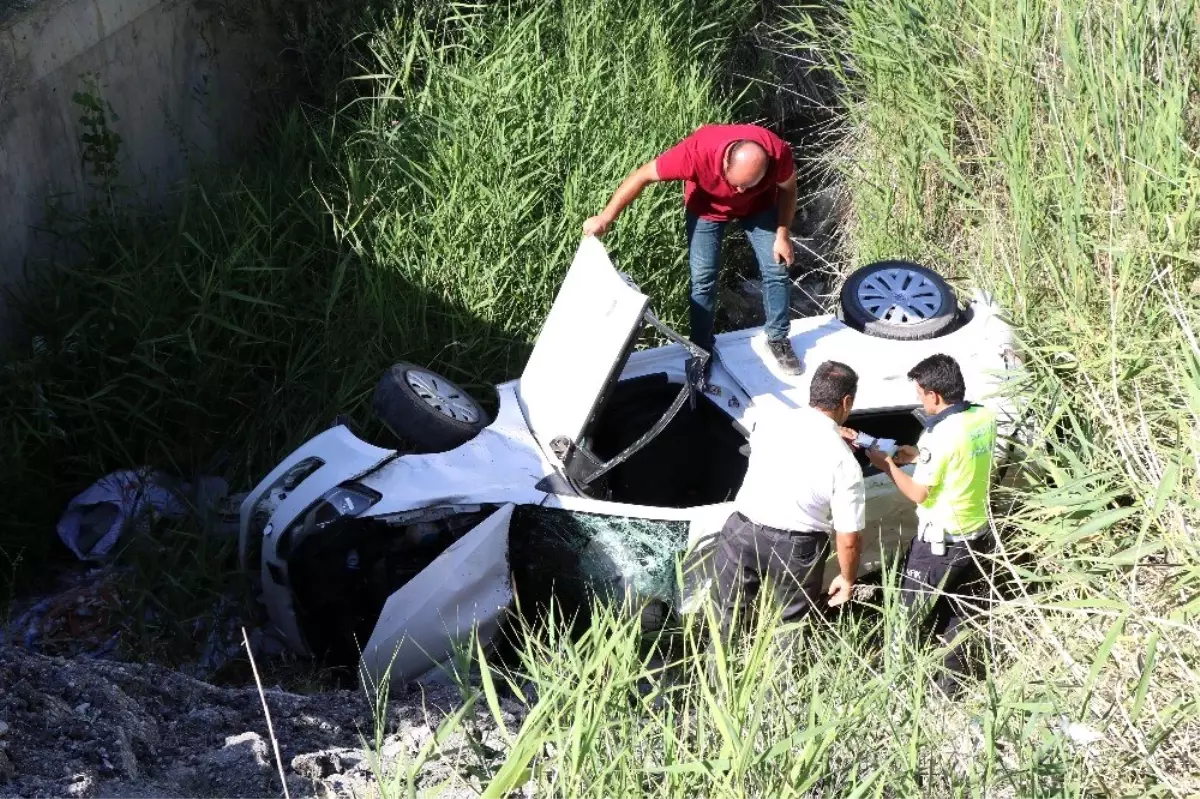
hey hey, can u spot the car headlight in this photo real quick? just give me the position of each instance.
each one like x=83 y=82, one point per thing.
x=298 y=473
x=278 y=491
x=345 y=501
x=260 y=515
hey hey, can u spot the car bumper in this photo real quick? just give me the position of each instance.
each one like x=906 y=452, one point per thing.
x=270 y=511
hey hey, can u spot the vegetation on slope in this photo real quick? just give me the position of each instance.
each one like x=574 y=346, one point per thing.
x=427 y=216
x=1043 y=149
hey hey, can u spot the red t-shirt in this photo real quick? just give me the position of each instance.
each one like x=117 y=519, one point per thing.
x=699 y=158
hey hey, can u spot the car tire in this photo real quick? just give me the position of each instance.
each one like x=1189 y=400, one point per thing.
x=871 y=296
x=426 y=410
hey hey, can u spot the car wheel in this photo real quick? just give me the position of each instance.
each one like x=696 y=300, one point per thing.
x=427 y=410
x=898 y=300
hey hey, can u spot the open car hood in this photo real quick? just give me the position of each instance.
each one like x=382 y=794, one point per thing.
x=581 y=349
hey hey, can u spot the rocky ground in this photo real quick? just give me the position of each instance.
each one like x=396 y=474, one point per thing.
x=89 y=727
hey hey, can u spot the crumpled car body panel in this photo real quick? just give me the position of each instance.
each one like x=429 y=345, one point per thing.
x=464 y=593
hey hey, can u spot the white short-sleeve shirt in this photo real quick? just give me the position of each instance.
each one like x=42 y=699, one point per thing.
x=802 y=475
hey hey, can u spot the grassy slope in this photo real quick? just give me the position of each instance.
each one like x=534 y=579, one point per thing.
x=1047 y=151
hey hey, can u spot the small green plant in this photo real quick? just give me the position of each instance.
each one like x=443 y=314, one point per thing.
x=100 y=144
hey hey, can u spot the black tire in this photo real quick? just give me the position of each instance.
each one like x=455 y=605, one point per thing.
x=938 y=310
x=414 y=418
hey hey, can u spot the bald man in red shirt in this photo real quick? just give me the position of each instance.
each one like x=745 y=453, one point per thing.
x=742 y=172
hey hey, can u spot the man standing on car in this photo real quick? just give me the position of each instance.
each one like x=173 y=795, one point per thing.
x=950 y=488
x=742 y=172
x=803 y=483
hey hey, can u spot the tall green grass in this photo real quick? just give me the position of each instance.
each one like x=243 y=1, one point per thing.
x=426 y=215
x=483 y=143
x=1046 y=150
x=830 y=707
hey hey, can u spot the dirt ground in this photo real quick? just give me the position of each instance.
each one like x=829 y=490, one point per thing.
x=89 y=727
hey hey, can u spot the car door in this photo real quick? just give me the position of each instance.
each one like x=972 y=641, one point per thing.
x=581 y=349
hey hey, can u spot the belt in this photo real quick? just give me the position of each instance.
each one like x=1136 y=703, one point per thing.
x=932 y=533
x=769 y=528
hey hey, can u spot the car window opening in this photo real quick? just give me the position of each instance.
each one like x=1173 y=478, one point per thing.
x=696 y=460
x=899 y=424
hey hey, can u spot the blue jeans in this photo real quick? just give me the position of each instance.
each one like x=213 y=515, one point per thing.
x=704 y=256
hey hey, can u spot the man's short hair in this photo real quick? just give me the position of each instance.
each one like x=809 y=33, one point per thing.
x=831 y=383
x=940 y=373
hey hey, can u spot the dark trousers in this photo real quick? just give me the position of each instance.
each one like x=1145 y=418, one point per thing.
x=749 y=555
x=940 y=613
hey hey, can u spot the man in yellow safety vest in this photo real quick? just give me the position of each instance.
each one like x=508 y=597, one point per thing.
x=950 y=488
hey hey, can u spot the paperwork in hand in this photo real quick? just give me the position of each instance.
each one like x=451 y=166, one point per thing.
x=885 y=445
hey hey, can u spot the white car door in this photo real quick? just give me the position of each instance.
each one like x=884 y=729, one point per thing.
x=581 y=348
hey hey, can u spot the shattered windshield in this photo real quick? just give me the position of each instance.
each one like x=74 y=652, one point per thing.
x=574 y=557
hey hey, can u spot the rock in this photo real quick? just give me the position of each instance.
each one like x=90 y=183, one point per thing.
x=247 y=745
x=204 y=717
x=318 y=765
x=3 y=729
x=128 y=760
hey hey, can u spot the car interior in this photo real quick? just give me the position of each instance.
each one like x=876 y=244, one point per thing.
x=698 y=459
x=701 y=457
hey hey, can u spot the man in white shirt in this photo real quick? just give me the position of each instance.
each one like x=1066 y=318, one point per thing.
x=803 y=483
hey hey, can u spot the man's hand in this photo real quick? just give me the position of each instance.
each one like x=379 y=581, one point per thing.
x=848 y=434
x=783 y=248
x=878 y=459
x=910 y=488
x=839 y=591
x=905 y=455
x=597 y=225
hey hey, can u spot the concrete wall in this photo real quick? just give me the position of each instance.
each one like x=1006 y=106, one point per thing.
x=180 y=75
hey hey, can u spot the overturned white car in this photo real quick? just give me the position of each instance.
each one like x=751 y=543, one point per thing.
x=601 y=466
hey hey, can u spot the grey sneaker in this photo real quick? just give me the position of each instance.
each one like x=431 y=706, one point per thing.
x=785 y=356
